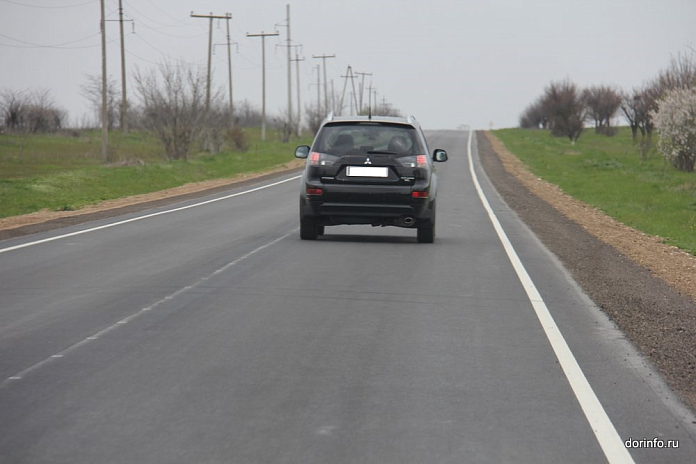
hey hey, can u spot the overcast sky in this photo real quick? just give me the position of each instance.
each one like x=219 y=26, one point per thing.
x=449 y=63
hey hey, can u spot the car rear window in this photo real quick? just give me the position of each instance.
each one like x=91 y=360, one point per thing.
x=340 y=138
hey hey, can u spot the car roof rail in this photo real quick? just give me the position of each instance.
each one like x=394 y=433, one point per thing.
x=328 y=118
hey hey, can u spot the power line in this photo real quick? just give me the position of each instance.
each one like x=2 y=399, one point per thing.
x=174 y=36
x=147 y=18
x=164 y=12
x=61 y=45
x=44 y=7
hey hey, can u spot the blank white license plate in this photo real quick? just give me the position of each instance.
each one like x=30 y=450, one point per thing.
x=367 y=171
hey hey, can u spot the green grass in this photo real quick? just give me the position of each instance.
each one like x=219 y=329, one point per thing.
x=65 y=172
x=608 y=173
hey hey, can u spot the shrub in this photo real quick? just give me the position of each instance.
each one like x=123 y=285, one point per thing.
x=238 y=137
x=675 y=122
x=173 y=105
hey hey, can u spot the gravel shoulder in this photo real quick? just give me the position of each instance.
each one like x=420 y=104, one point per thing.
x=646 y=287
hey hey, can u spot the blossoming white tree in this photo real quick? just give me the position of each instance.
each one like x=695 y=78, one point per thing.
x=675 y=122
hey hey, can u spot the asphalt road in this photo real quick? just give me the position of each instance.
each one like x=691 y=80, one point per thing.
x=210 y=333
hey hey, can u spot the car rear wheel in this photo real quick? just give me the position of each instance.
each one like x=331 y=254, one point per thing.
x=308 y=231
x=426 y=234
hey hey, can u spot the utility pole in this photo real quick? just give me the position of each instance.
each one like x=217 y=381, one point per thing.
x=124 y=119
x=351 y=76
x=105 y=132
x=124 y=100
x=263 y=36
x=370 y=91
x=211 y=16
x=333 y=97
x=229 y=43
x=318 y=91
x=287 y=7
x=326 y=86
x=362 y=87
x=288 y=45
x=229 y=67
x=299 y=111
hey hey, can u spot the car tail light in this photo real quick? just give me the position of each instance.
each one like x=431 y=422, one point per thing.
x=321 y=159
x=419 y=194
x=421 y=161
x=314 y=191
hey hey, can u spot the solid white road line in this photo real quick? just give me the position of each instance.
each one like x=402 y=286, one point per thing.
x=139 y=218
x=604 y=430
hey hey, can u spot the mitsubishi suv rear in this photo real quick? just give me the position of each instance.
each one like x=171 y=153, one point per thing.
x=369 y=170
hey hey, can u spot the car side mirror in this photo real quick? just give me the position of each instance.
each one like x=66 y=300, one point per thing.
x=302 y=151
x=439 y=155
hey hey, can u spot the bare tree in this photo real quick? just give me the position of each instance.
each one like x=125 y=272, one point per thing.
x=12 y=104
x=92 y=91
x=602 y=103
x=565 y=109
x=173 y=105
x=30 y=111
x=284 y=125
x=386 y=109
x=680 y=74
x=640 y=104
x=535 y=116
x=315 y=116
x=246 y=114
x=637 y=107
x=216 y=126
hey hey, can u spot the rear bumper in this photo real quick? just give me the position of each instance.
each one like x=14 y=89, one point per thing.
x=382 y=214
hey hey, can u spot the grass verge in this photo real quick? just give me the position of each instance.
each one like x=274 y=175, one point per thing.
x=608 y=173
x=64 y=172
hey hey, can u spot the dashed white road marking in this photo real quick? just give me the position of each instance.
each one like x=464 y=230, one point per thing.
x=169 y=297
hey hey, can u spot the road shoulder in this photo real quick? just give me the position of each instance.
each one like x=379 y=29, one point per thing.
x=646 y=287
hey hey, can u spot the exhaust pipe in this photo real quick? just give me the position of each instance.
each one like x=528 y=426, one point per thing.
x=408 y=220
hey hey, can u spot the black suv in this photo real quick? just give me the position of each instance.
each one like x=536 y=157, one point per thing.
x=369 y=170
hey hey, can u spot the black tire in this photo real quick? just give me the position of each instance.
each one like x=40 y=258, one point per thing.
x=320 y=230
x=426 y=234
x=308 y=231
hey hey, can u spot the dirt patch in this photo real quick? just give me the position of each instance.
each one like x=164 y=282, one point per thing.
x=46 y=220
x=646 y=287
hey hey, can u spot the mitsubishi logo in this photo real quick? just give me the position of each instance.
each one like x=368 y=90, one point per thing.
x=367 y=161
